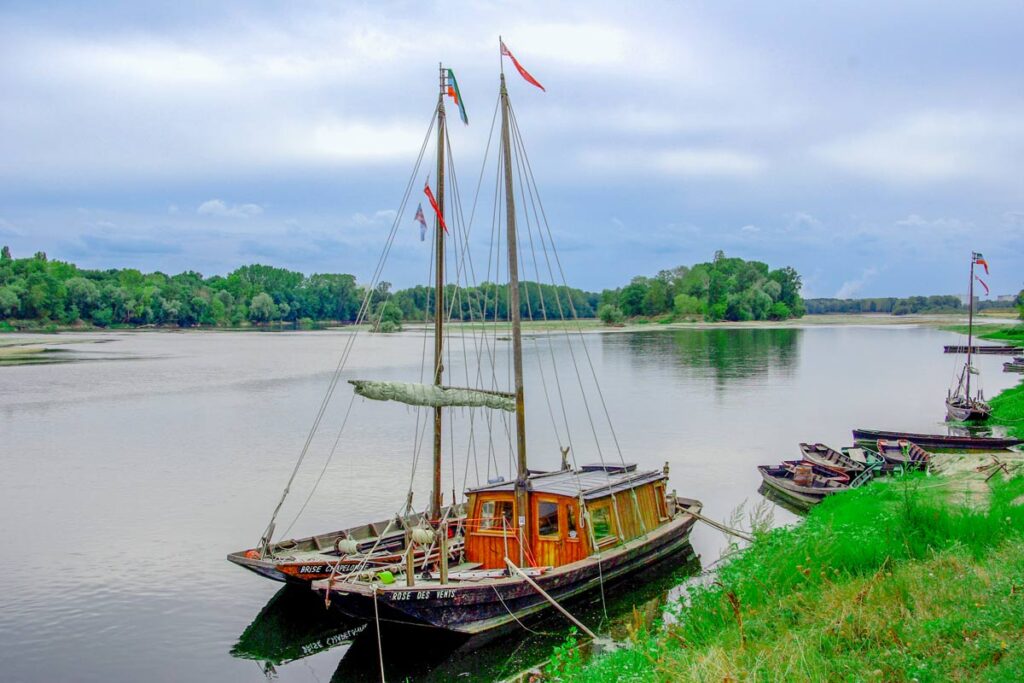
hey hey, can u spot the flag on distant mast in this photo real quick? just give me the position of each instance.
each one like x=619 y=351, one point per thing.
x=433 y=203
x=978 y=258
x=422 y=221
x=982 y=282
x=519 y=67
x=453 y=92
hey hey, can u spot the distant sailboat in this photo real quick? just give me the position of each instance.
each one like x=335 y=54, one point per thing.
x=960 y=405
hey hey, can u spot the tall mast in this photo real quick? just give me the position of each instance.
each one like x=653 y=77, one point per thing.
x=435 y=500
x=970 y=328
x=522 y=482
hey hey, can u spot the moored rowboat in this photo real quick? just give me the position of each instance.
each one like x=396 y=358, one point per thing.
x=821 y=454
x=870 y=437
x=804 y=493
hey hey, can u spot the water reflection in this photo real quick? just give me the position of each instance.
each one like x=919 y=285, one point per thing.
x=724 y=354
x=294 y=625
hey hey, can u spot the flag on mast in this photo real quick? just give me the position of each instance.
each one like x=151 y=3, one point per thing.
x=982 y=282
x=433 y=203
x=422 y=221
x=453 y=92
x=519 y=67
x=978 y=258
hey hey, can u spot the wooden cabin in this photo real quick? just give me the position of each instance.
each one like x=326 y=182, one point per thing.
x=622 y=503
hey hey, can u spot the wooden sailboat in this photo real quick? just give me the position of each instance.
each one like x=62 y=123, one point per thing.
x=961 y=406
x=564 y=532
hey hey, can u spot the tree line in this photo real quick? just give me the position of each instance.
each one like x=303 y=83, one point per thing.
x=43 y=291
x=945 y=303
x=49 y=291
x=723 y=289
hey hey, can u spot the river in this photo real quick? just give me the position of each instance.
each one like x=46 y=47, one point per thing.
x=127 y=475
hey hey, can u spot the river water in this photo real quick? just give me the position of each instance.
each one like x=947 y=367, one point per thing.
x=127 y=475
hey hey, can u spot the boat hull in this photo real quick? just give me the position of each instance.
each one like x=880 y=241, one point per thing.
x=490 y=606
x=803 y=496
x=965 y=443
x=967 y=411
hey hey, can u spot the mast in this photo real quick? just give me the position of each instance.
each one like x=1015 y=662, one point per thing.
x=970 y=329
x=522 y=474
x=435 y=500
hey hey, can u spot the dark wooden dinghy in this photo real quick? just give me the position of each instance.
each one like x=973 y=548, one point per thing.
x=825 y=471
x=997 y=349
x=805 y=488
x=378 y=545
x=870 y=438
x=903 y=453
x=821 y=454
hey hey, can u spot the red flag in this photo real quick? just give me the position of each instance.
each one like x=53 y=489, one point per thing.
x=982 y=284
x=433 y=202
x=522 y=72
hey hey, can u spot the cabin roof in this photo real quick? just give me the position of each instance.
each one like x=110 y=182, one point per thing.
x=590 y=481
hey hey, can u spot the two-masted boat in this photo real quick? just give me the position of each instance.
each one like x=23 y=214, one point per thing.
x=514 y=546
x=961 y=405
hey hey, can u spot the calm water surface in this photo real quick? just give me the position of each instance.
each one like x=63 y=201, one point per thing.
x=126 y=477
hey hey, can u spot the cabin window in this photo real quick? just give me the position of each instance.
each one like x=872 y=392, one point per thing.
x=492 y=512
x=570 y=522
x=601 y=523
x=547 y=519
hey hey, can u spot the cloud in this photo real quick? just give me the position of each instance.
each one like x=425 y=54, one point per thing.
x=383 y=216
x=944 y=225
x=852 y=287
x=217 y=207
x=750 y=229
x=690 y=162
x=930 y=147
x=8 y=230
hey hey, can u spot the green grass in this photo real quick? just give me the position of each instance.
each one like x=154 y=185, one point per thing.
x=888 y=582
x=1008 y=410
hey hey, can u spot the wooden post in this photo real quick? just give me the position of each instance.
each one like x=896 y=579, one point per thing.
x=435 y=501
x=522 y=476
x=410 y=565
x=442 y=543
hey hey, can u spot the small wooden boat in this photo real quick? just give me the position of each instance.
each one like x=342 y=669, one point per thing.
x=1015 y=366
x=803 y=487
x=989 y=349
x=821 y=454
x=870 y=438
x=903 y=453
x=825 y=471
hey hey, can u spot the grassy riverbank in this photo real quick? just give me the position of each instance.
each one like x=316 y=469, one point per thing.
x=900 y=580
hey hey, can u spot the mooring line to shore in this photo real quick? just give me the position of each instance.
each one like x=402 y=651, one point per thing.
x=721 y=527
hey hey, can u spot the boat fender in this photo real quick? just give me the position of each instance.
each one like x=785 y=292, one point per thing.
x=253 y=554
x=346 y=546
x=422 y=536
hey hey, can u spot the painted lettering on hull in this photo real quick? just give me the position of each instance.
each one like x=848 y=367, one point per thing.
x=421 y=595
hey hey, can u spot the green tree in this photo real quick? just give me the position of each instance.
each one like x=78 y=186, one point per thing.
x=262 y=308
x=610 y=314
x=686 y=305
x=388 y=317
x=9 y=302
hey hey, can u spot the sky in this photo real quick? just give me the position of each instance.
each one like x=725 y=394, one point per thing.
x=870 y=145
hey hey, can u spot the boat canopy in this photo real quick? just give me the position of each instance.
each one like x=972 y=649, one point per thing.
x=433 y=395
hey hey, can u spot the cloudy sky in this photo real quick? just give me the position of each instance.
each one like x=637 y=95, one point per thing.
x=869 y=145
